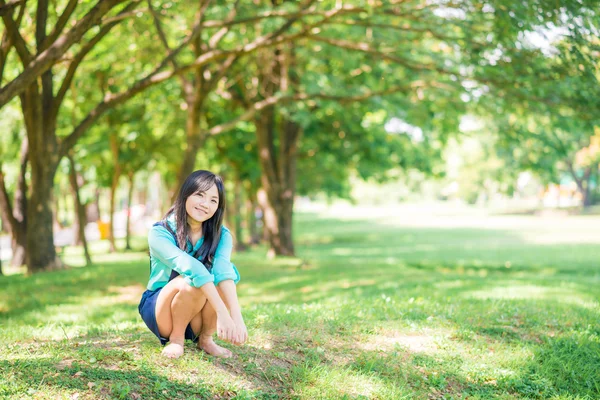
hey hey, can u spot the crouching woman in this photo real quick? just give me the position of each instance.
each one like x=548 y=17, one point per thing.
x=191 y=293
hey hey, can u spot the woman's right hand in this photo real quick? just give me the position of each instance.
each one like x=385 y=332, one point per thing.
x=225 y=327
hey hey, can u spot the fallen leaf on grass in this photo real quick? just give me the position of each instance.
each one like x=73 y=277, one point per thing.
x=91 y=385
x=78 y=374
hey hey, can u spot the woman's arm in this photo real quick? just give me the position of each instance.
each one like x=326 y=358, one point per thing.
x=226 y=326
x=226 y=276
x=162 y=246
x=222 y=267
x=229 y=294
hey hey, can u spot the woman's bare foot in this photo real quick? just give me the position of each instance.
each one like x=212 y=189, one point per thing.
x=173 y=350
x=209 y=346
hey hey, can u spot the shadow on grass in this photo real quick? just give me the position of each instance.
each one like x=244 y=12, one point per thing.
x=23 y=294
x=27 y=375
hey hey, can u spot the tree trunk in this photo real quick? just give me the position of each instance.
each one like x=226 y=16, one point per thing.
x=278 y=163
x=583 y=185
x=229 y=211
x=188 y=164
x=130 y=177
x=77 y=221
x=56 y=223
x=114 y=146
x=272 y=199
x=263 y=204
x=595 y=177
x=278 y=207
x=15 y=215
x=80 y=218
x=40 y=124
x=237 y=214
x=95 y=206
x=194 y=101
x=14 y=227
x=251 y=206
x=40 y=234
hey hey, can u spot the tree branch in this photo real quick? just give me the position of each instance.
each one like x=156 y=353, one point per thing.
x=365 y=48
x=402 y=28
x=159 y=30
x=85 y=49
x=311 y=11
x=7 y=8
x=5 y=206
x=155 y=77
x=48 y=57
x=60 y=24
x=123 y=16
x=5 y=46
x=18 y=42
x=41 y=18
x=279 y=98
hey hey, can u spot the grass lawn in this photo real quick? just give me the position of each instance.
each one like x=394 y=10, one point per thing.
x=407 y=305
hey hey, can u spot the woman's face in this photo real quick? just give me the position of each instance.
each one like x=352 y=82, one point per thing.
x=201 y=206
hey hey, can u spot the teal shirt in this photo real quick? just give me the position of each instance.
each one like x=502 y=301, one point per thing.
x=166 y=256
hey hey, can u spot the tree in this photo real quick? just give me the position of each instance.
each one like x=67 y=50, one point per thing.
x=40 y=106
x=81 y=220
x=551 y=114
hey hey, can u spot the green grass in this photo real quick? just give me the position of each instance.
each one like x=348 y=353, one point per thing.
x=505 y=307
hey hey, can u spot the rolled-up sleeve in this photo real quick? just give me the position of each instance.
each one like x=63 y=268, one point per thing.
x=163 y=247
x=223 y=269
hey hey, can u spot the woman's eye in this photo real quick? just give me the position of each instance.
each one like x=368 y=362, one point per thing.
x=214 y=202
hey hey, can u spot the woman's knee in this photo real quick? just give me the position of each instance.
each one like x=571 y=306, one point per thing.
x=190 y=291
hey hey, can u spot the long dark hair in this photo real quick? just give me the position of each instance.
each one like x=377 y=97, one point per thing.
x=199 y=181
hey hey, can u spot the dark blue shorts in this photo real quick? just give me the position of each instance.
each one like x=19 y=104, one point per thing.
x=147 y=309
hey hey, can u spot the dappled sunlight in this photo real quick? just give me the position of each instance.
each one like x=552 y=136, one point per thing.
x=317 y=291
x=425 y=341
x=69 y=319
x=308 y=239
x=193 y=370
x=535 y=292
x=324 y=382
x=125 y=294
x=259 y=338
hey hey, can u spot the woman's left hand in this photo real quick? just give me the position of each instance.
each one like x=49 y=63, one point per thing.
x=241 y=333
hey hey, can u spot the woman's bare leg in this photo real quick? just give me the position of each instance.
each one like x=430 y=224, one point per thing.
x=208 y=329
x=176 y=305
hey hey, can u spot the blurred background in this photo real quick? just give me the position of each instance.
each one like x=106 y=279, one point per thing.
x=474 y=108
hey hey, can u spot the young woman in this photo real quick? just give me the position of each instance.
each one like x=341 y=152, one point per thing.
x=192 y=280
